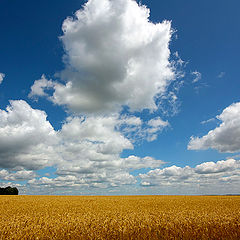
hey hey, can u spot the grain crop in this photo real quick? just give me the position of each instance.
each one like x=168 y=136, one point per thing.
x=120 y=217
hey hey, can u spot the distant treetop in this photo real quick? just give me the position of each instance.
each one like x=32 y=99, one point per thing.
x=9 y=191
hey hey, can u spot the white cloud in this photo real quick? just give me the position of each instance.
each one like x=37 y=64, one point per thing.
x=87 y=154
x=20 y=175
x=208 y=121
x=134 y=162
x=220 y=166
x=99 y=131
x=91 y=149
x=76 y=183
x=137 y=130
x=114 y=56
x=208 y=177
x=86 y=149
x=40 y=86
x=169 y=104
x=130 y=120
x=26 y=137
x=155 y=126
x=179 y=61
x=2 y=76
x=197 y=76
x=157 y=123
x=225 y=137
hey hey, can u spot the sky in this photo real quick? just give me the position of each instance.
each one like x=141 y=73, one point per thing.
x=120 y=97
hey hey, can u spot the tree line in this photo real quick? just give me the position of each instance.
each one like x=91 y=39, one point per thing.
x=9 y=191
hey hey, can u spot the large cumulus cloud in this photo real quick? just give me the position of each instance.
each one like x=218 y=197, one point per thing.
x=27 y=139
x=114 y=56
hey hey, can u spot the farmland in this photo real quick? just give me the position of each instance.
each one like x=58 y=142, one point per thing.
x=120 y=217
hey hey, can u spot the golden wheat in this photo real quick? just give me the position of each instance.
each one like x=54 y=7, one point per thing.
x=123 y=217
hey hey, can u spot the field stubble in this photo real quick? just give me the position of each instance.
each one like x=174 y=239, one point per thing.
x=121 y=217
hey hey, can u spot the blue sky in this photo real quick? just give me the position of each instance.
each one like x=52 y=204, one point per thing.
x=113 y=101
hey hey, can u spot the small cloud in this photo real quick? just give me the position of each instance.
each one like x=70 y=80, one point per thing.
x=145 y=184
x=179 y=61
x=2 y=75
x=197 y=76
x=221 y=75
x=208 y=121
x=155 y=125
x=38 y=89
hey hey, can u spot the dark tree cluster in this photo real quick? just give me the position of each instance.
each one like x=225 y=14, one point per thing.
x=9 y=191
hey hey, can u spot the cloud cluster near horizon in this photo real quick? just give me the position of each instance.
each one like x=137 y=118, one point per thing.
x=208 y=177
x=85 y=148
x=86 y=152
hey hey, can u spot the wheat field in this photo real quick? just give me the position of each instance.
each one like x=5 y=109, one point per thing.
x=120 y=217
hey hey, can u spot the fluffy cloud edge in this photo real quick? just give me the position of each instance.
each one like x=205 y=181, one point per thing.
x=205 y=178
x=225 y=137
x=2 y=76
